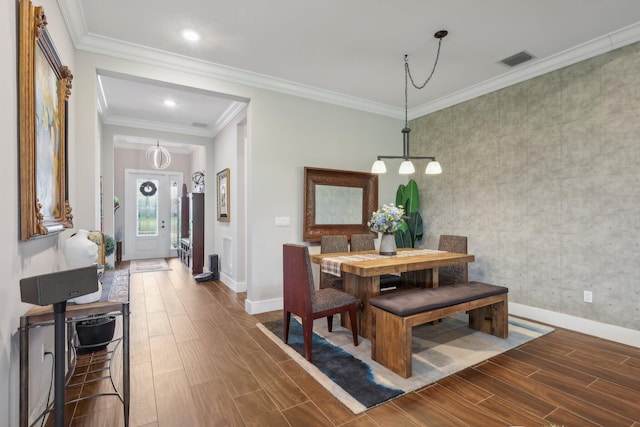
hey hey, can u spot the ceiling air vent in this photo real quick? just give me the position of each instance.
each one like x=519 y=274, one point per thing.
x=517 y=59
x=198 y=125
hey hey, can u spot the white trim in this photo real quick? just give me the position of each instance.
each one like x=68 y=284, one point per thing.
x=145 y=55
x=232 y=284
x=606 y=43
x=113 y=120
x=83 y=40
x=263 y=306
x=590 y=327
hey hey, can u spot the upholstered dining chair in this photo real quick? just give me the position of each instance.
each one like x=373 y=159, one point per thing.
x=454 y=273
x=331 y=244
x=364 y=242
x=302 y=299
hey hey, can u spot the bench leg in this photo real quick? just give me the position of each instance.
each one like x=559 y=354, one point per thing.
x=491 y=319
x=391 y=342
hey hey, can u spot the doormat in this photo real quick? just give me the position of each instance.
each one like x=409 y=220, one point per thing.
x=439 y=350
x=147 y=265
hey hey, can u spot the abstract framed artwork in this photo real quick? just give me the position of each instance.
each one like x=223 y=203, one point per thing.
x=44 y=89
x=222 y=181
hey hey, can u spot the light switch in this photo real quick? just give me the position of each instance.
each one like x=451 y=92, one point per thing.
x=283 y=221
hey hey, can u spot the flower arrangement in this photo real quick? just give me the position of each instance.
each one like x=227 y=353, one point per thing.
x=387 y=219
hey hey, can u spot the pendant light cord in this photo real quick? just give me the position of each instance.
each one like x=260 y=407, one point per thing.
x=407 y=75
x=408 y=71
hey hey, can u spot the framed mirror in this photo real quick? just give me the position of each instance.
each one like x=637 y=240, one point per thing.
x=337 y=202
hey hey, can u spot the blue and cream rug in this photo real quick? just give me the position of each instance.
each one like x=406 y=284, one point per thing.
x=360 y=383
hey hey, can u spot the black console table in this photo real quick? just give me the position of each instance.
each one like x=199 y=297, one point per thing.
x=113 y=302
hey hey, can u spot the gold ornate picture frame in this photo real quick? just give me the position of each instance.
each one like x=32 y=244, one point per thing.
x=44 y=88
x=222 y=186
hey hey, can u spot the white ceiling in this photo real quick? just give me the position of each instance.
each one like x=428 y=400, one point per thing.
x=345 y=52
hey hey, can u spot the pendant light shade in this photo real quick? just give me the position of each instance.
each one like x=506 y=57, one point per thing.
x=406 y=167
x=158 y=157
x=378 y=167
x=433 y=168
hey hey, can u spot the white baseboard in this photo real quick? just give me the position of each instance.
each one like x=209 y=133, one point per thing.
x=232 y=284
x=590 y=327
x=263 y=306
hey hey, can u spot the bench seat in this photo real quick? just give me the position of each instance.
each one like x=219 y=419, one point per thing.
x=394 y=316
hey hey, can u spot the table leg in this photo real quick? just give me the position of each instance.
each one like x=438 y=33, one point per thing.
x=125 y=362
x=24 y=372
x=363 y=288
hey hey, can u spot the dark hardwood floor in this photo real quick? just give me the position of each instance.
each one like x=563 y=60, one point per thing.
x=198 y=359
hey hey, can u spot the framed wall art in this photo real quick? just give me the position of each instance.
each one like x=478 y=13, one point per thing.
x=222 y=180
x=44 y=88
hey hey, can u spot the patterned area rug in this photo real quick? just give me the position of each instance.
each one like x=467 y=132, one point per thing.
x=360 y=383
x=146 y=265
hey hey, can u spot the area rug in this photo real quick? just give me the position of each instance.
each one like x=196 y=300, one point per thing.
x=360 y=383
x=146 y=265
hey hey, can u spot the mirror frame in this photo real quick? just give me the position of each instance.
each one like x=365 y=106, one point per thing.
x=368 y=182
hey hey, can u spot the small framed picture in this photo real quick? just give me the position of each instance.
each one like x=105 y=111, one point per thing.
x=222 y=180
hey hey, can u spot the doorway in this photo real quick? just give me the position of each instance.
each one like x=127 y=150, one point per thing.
x=151 y=214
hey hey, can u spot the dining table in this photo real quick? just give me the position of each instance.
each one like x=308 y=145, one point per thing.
x=361 y=272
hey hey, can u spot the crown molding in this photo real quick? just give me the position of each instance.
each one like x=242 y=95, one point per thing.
x=109 y=119
x=74 y=19
x=136 y=53
x=590 y=49
x=232 y=112
x=234 y=109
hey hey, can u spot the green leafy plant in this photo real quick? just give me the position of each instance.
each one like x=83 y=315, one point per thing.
x=109 y=245
x=411 y=231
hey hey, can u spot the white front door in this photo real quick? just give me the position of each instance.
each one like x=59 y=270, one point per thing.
x=148 y=215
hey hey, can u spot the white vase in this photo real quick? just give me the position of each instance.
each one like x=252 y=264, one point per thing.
x=79 y=251
x=388 y=244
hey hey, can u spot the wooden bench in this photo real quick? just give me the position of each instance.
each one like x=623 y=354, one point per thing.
x=394 y=316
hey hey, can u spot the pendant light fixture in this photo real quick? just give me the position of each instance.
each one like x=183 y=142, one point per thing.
x=158 y=157
x=406 y=167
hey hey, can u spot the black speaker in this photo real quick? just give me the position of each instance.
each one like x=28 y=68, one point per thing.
x=60 y=286
x=214 y=267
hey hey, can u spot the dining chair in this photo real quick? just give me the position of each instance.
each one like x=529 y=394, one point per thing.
x=331 y=244
x=453 y=274
x=302 y=299
x=364 y=242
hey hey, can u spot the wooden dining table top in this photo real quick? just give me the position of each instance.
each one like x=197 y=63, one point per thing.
x=377 y=266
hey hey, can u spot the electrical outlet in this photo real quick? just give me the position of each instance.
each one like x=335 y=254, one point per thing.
x=588 y=296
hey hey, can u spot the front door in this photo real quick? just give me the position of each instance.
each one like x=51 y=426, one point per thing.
x=148 y=214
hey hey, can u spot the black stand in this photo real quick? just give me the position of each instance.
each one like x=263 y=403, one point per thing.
x=59 y=309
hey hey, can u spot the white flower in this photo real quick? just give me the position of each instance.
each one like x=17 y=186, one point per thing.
x=387 y=219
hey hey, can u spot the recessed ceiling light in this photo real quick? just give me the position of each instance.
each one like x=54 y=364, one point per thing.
x=169 y=102
x=190 y=35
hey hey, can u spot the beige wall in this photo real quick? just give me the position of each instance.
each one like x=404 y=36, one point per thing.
x=543 y=178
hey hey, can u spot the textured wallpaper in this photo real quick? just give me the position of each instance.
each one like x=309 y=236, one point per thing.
x=544 y=179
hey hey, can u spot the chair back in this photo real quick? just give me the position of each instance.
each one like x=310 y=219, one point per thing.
x=298 y=288
x=449 y=243
x=362 y=242
x=453 y=273
x=330 y=244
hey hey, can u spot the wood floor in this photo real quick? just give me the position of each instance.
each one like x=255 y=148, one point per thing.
x=198 y=360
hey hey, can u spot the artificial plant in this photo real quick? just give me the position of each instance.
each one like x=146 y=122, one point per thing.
x=410 y=232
